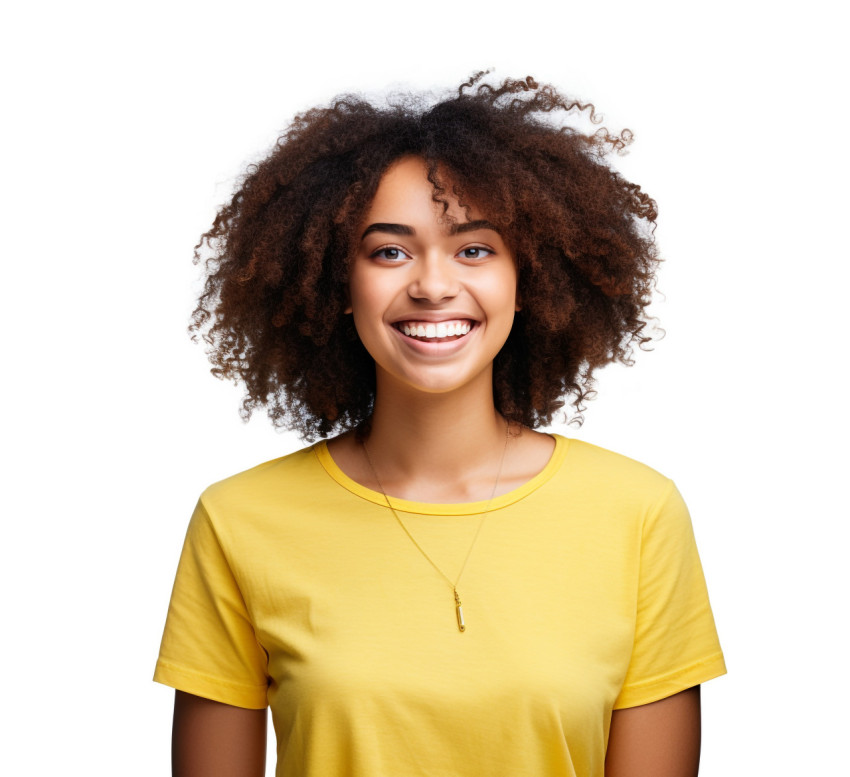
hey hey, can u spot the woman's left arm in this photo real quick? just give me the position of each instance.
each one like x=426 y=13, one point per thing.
x=661 y=739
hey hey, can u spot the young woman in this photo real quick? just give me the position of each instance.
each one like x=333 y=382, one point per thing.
x=438 y=589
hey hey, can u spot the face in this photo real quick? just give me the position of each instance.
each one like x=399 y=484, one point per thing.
x=433 y=301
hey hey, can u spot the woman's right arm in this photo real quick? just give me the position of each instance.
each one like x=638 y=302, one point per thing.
x=211 y=739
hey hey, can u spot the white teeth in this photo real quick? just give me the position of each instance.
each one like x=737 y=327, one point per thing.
x=437 y=330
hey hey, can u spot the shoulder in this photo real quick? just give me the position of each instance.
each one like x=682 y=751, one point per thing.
x=279 y=479
x=603 y=467
x=611 y=486
x=272 y=503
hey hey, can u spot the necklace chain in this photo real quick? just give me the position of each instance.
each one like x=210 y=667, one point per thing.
x=461 y=623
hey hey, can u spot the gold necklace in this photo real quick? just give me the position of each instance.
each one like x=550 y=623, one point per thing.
x=461 y=623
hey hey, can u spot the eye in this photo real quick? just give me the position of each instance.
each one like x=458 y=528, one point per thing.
x=389 y=254
x=475 y=252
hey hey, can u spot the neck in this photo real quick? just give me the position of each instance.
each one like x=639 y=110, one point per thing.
x=437 y=439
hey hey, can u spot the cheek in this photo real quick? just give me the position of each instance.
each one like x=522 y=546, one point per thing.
x=504 y=295
x=368 y=305
x=360 y=292
x=363 y=302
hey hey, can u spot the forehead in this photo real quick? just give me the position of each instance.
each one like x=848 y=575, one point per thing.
x=405 y=192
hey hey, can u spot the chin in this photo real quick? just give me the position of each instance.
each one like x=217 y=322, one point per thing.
x=443 y=382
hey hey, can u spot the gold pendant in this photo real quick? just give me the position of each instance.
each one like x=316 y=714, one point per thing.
x=461 y=625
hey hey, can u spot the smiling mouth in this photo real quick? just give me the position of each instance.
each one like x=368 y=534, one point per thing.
x=440 y=332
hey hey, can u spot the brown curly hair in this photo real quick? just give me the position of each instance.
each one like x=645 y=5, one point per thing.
x=272 y=309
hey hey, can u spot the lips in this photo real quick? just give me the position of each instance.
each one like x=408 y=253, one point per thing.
x=435 y=331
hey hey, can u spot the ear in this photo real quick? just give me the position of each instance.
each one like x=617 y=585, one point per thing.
x=517 y=303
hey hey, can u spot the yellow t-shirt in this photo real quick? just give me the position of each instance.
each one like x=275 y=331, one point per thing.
x=298 y=588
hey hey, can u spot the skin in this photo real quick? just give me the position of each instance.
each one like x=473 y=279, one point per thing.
x=443 y=401
x=415 y=266
x=210 y=739
x=412 y=266
x=661 y=739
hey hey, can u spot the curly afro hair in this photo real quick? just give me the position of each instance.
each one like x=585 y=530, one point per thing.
x=277 y=255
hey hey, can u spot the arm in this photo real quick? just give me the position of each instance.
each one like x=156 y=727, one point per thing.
x=211 y=739
x=661 y=739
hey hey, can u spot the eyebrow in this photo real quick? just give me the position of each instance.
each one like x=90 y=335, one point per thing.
x=393 y=229
x=472 y=226
x=403 y=229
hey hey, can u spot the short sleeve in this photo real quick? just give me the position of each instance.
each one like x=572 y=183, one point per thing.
x=209 y=647
x=675 y=640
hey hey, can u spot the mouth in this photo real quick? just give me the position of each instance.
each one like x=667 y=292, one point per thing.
x=436 y=332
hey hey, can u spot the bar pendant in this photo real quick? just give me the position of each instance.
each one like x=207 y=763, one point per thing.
x=461 y=625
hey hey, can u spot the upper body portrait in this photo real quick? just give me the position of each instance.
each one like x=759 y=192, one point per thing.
x=435 y=587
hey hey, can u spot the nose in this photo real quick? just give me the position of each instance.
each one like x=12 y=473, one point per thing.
x=434 y=280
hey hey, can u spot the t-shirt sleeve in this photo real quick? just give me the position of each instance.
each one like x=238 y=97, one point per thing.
x=209 y=647
x=675 y=640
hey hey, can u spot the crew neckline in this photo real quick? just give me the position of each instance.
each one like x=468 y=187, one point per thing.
x=436 y=508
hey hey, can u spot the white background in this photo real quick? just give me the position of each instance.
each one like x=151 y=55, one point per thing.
x=126 y=126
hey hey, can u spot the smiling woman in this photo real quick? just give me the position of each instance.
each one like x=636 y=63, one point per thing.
x=433 y=295
x=439 y=588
